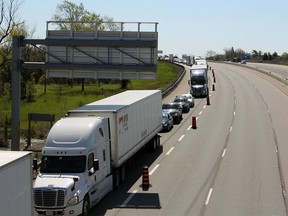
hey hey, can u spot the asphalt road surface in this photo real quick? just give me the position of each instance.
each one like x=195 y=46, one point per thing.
x=234 y=163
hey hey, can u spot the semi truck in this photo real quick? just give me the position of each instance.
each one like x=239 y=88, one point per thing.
x=199 y=80
x=86 y=154
x=16 y=183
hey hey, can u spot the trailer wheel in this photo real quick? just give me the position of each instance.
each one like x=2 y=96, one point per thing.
x=158 y=141
x=153 y=144
x=116 y=179
x=86 y=206
x=123 y=173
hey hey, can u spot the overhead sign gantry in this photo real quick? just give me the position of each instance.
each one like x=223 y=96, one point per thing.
x=127 y=52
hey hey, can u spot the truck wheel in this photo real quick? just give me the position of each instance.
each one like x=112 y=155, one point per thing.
x=86 y=206
x=153 y=144
x=158 y=141
x=116 y=179
x=123 y=173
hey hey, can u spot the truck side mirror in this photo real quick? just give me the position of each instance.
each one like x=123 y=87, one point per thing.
x=96 y=164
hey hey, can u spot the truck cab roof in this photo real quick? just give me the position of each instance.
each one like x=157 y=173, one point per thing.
x=198 y=67
x=74 y=133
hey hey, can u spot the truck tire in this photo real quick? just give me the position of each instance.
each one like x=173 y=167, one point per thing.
x=86 y=206
x=123 y=173
x=158 y=141
x=116 y=179
x=152 y=145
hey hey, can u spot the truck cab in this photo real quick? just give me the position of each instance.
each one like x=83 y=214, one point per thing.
x=199 y=81
x=75 y=164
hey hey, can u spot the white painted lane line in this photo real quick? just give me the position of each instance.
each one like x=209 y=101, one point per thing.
x=200 y=113
x=189 y=128
x=181 y=138
x=230 y=129
x=234 y=113
x=224 y=152
x=128 y=198
x=170 y=150
x=204 y=106
x=209 y=196
x=154 y=169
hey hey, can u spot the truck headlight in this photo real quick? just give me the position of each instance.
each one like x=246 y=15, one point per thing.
x=73 y=201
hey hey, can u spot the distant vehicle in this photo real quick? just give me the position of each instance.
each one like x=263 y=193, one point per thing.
x=190 y=99
x=243 y=62
x=175 y=110
x=199 y=81
x=201 y=62
x=184 y=102
x=167 y=121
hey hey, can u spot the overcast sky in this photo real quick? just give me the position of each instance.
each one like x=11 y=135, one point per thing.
x=187 y=26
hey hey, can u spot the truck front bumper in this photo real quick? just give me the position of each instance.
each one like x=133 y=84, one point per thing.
x=68 y=211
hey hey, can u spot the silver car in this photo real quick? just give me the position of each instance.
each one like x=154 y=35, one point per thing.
x=190 y=99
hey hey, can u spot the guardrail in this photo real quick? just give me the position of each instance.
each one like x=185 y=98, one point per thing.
x=173 y=85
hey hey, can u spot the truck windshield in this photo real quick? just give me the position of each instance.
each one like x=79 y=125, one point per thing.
x=197 y=72
x=197 y=80
x=63 y=164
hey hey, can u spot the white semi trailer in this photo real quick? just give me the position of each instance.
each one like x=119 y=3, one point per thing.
x=16 y=183
x=86 y=154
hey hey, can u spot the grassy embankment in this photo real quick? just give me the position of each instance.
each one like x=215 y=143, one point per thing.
x=61 y=98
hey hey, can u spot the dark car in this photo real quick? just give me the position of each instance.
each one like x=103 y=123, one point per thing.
x=174 y=109
x=184 y=102
x=167 y=121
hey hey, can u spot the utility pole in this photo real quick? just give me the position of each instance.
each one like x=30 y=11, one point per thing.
x=16 y=89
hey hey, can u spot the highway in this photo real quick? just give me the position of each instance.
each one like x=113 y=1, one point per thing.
x=234 y=163
x=280 y=70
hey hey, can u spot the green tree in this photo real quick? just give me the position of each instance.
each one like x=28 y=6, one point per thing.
x=76 y=17
x=265 y=57
x=254 y=53
x=30 y=89
x=9 y=21
x=229 y=53
x=284 y=56
x=274 y=56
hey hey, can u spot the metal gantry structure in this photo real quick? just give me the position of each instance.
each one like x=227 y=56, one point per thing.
x=99 y=54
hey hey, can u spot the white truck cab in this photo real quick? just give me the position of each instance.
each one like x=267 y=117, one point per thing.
x=69 y=173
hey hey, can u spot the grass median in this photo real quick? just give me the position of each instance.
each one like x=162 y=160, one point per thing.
x=59 y=98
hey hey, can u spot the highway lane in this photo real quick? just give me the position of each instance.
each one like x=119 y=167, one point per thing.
x=229 y=165
x=249 y=181
x=280 y=70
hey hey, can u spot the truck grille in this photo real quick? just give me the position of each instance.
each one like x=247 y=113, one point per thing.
x=49 y=198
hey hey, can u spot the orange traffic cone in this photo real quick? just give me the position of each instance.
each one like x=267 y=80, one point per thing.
x=194 y=126
x=145 y=179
